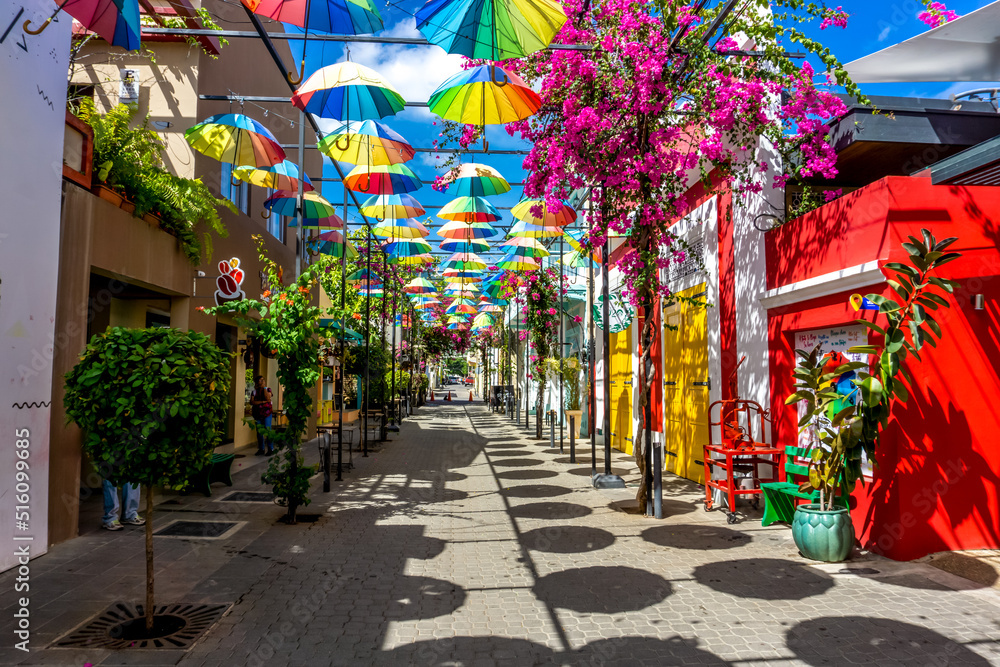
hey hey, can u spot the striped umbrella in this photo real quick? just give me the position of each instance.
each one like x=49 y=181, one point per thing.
x=491 y=29
x=382 y=179
x=522 y=228
x=525 y=247
x=484 y=95
x=406 y=247
x=330 y=235
x=348 y=91
x=464 y=262
x=339 y=17
x=235 y=139
x=401 y=229
x=367 y=142
x=469 y=209
x=464 y=245
x=411 y=260
x=332 y=221
x=313 y=205
x=490 y=308
x=559 y=217
x=514 y=263
x=467 y=230
x=382 y=207
x=462 y=308
x=475 y=180
x=364 y=277
x=419 y=286
x=331 y=248
x=281 y=176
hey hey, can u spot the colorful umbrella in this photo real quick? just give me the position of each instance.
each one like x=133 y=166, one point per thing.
x=367 y=142
x=559 y=217
x=459 y=308
x=236 y=139
x=282 y=176
x=332 y=221
x=340 y=17
x=463 y=277
x=484 y=95
x=411 y=260
x=419 y=286
x=527 y=229
x=464 y=262
x=401 y=229
x=336 y=237
x=464 y=245
x=469 y=209
x=490 y=308
x=576 y=260
x=406 y=247
x=524 y=246
x=364 y=277
x=481 y=321
x=382 y=207
x=514 y=263
x=475 y=180
x=348 y=91
x=313 y=205
x=331 y=248
x=382 y=179
x=114 y=21
x=491 y=29
x=467 y=230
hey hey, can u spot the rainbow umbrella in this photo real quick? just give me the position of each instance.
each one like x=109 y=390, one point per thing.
x=367 y=142
x=330 y=235
x=514 y=263
x=382 y=207
x=464 y=278
x=382 y=179
x=235 y=139
x=339 y=17
x=464 y=245
x=348 y=91
x=525 y=247
x=522 y=228
x=331 y=221
x=459 y=308
x=482 y=320
x=490 y=308
x=559 y=217
x=491 y=29
x=406 y=247
x=332 y=249
x=364 y=277
x=313 y=205
x=467 y=230
x=575 y=239
x=476 y=180
x=411 y=260
x=484 y=95
x=401 y=229
x=469 y=209
x=419 y=286
x=281 y=176
x=464 y=262
x=576 y=260
x=115 y=21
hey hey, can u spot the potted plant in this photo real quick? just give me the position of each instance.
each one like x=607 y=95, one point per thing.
x=151 y=403
x=567 y=371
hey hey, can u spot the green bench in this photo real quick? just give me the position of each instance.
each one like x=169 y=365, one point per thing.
x=781 y=498
x=219 y=469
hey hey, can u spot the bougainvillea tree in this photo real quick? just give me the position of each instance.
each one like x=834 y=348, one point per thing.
x=538 y=298
x=670 y=93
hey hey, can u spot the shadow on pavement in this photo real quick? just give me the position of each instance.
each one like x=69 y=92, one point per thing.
x=527 y=474
x=535 y=491
x=567 y=539
x=696 y=537
x=516 y=462
x=549 y=510
x=763 y=579
x=602 y=589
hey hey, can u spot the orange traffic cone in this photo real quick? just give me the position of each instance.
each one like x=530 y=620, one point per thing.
x=448 y=398
x=470 y=394
x=432 y=394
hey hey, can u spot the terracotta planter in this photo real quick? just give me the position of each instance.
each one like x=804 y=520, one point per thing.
x=107 y=194
x=152 y=219
x=127 y=206
x=577 y=418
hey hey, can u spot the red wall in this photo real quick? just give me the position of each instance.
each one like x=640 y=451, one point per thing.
x=938 y=465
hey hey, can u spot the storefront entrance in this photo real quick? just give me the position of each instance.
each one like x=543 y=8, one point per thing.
x=686 y=387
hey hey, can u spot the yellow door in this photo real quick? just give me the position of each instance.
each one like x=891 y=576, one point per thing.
x=686 y=390
x=621 y=391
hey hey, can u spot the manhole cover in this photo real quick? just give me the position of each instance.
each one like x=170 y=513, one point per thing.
x=176 y=626
x=208 y=530
x=248 y=497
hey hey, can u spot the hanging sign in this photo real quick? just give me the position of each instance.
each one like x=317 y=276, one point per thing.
x=229 y=282
x=620 y=311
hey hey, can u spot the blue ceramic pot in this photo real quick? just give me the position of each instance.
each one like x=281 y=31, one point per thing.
x=826 y=535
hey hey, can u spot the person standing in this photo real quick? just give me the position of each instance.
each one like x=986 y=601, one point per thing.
x=260 y=409
x=111 y=506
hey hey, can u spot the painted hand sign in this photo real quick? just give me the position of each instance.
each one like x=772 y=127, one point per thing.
x=229 y=282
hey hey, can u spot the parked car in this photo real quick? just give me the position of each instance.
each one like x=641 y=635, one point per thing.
x=469 y=381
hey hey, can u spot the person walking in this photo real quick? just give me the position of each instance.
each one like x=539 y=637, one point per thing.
x=111 y=506
x=260 y=409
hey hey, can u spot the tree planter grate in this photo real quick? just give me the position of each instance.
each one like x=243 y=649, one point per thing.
x=206 y=530
x=248 y=497
x=176 y=626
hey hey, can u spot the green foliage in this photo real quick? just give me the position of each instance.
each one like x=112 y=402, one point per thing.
x=130 y=160
x=456 y=366
x=568 y=372
x=150 y=402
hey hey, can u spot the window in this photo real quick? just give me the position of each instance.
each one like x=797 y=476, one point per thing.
x=237 y=192
x=275 y=223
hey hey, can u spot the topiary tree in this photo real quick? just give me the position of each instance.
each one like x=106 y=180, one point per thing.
x=150 y=403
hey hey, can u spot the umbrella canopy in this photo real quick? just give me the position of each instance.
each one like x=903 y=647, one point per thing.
x=331 y=248
x=419 y=286
x=401 y=229
x=490 y=308
x=348 y=91
x=382 y=207
x=367 y=142
x=464 y=262
x=560 y=217
x=331 y=221
x=411 y=260
x=578 y=261
x=114 y=21
x=484 y=95
x=406 y=247
x=529 y=230
x=469 y=209
x=491 y=29
x=364 y=277
x=514 y=263
x=330 y=235
x=467 y=230
x=313 y=205
x=236 y=139
x=281 y=176
x=340 y=17
x=464 y=245
x=476 y=180
x=460 y=308
x=382 y=179
x=465 y=278
x=524 y=246
x=482 y=320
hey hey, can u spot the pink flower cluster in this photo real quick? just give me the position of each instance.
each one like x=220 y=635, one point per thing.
x=936 y=14
x=834 y=17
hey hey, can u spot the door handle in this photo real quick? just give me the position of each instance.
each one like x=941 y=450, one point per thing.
x=701 y=384
x=669 y=384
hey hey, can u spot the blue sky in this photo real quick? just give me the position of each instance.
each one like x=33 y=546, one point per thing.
x=417 y=70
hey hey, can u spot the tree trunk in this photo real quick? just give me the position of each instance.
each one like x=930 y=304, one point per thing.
x=641 y=448
x=293 y=469
x=149 y=558
x=539 y=402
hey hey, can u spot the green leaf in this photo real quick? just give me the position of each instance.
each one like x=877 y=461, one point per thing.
x=917 y=334
x=944 y=259
x=894 y=340
x=915 y=248
x=944 y=243
x=890 y=363
x=932 y=323
x=928 y=238
x=863 y=349
x=899 y=289
x=902 y=268
x=940 y=282
x=900 y=392
x=918 y=313
x=871 y=325
x=871 y=392
x=933 y=298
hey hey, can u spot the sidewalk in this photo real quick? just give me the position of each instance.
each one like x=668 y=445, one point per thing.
x=463 y=542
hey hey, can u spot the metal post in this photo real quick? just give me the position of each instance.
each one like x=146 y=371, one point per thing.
x=395 y=411
x=607 y=480
x=299 y=213
x=381 y=380
x=343 y=333
x=326 y=460
x=592 y=370
x=657 y=484
x=368 y=338
x=572 y=438
x=552 y=430
x=562 y=342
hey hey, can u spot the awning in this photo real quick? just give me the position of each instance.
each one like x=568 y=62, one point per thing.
x=350 y=335
x=966 y=49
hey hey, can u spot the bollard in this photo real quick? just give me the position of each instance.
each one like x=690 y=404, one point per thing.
x=572 y=439
x=552 y=432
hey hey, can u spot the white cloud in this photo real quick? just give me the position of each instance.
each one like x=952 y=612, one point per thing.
x=415 y=71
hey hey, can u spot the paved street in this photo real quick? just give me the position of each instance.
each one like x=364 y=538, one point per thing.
x=463 y=542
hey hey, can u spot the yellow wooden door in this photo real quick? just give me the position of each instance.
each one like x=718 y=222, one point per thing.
x=621 y=394
x=686 y=390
